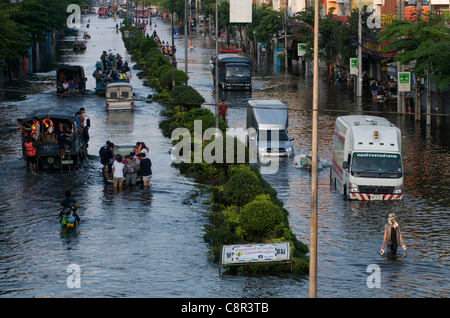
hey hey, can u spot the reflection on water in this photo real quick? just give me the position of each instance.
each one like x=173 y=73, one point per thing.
x=148 y=242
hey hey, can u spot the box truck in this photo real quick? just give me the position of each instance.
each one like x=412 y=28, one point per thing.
x=270 y=120
x=367 y=161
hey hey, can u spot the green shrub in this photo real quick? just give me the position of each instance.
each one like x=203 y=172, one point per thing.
x=159 y=60
x=147 y=44
x=161 y=69
x=219 y=236
x=260 y=217
x=231 y=218
x=180 y=78
x=242 y=188
x=186 y=94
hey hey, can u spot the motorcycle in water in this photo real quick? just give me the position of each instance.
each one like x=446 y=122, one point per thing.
x=69 y=218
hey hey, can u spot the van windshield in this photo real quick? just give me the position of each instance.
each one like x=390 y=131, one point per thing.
x=379 y=163
x=237 y=71
x=272 y=135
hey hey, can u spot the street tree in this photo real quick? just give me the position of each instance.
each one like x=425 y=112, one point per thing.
x=425 y=43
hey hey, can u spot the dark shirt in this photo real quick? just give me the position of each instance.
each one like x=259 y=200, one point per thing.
x=146 y=166
x=61 y=133
x=66 y=203
x=105 y=155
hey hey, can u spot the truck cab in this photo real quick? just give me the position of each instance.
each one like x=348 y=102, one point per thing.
x=367 y=162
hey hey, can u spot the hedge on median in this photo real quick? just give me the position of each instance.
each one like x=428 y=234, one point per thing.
x=245 y=207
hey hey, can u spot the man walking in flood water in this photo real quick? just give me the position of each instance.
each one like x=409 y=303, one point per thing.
x=392 y=236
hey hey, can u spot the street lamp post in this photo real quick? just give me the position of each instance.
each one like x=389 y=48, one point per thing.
x=185 y=36
x=359 y=79
x=217 y=67
x=173 y=53
x=314 y=165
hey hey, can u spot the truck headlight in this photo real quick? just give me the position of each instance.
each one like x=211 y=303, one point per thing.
x=353 y=188
x=397 y=191
x=288 y=149
x=261 y=149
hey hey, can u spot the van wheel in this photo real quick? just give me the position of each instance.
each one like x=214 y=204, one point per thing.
x=345 y=193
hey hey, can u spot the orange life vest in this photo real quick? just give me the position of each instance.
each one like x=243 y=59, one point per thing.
x=33 y=129
x=47 y=124
x=29 y=149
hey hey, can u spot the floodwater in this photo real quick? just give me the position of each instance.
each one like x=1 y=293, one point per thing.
x=138 y=242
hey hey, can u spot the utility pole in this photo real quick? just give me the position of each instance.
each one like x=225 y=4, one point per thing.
x=313 y=218
x=173 y=53
x=418 y=102
x=359 y=79
x=400 y=67
x=216 y=66
x=429 y=85
x=285 y=39
x=186 y=21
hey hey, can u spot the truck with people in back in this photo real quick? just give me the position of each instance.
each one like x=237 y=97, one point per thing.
x=367 y=160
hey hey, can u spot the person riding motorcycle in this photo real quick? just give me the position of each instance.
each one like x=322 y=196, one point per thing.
x=69 y=208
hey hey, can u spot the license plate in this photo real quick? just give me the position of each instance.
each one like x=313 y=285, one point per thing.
x=376 y=197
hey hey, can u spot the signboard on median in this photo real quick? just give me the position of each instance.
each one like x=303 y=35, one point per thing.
x=301 y=49
x=354 y=66
x=255 y=253
x=404 y=81
x=128 y=34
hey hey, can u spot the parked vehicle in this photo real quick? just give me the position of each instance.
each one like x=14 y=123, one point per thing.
x=367 y=161
x=48 y=154
x=270 y=120
x=67 y=73
x=119 y=96
x=234 y=72
x=126 y=149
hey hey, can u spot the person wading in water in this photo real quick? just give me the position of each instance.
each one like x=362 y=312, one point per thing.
x=392 y=236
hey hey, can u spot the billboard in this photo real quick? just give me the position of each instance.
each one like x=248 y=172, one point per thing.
x=241 y=11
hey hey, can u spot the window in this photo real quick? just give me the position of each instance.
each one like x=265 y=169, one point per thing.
x=269 y=135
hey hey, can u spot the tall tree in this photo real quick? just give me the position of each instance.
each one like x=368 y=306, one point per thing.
x=425 y=43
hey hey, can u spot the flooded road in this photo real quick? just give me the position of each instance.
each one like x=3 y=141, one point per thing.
x=148 y=243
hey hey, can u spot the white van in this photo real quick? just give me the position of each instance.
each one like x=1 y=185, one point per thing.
x=119 y=96
x=367 y=162
x=270 y=120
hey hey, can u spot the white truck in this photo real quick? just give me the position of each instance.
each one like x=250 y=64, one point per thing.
x=367 y=162
x=270 y=121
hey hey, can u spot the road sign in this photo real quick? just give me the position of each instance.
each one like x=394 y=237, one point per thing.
x=354 y=66
x=404 y=81
x=301 y=49
x=128 y=34
x=255 y=253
